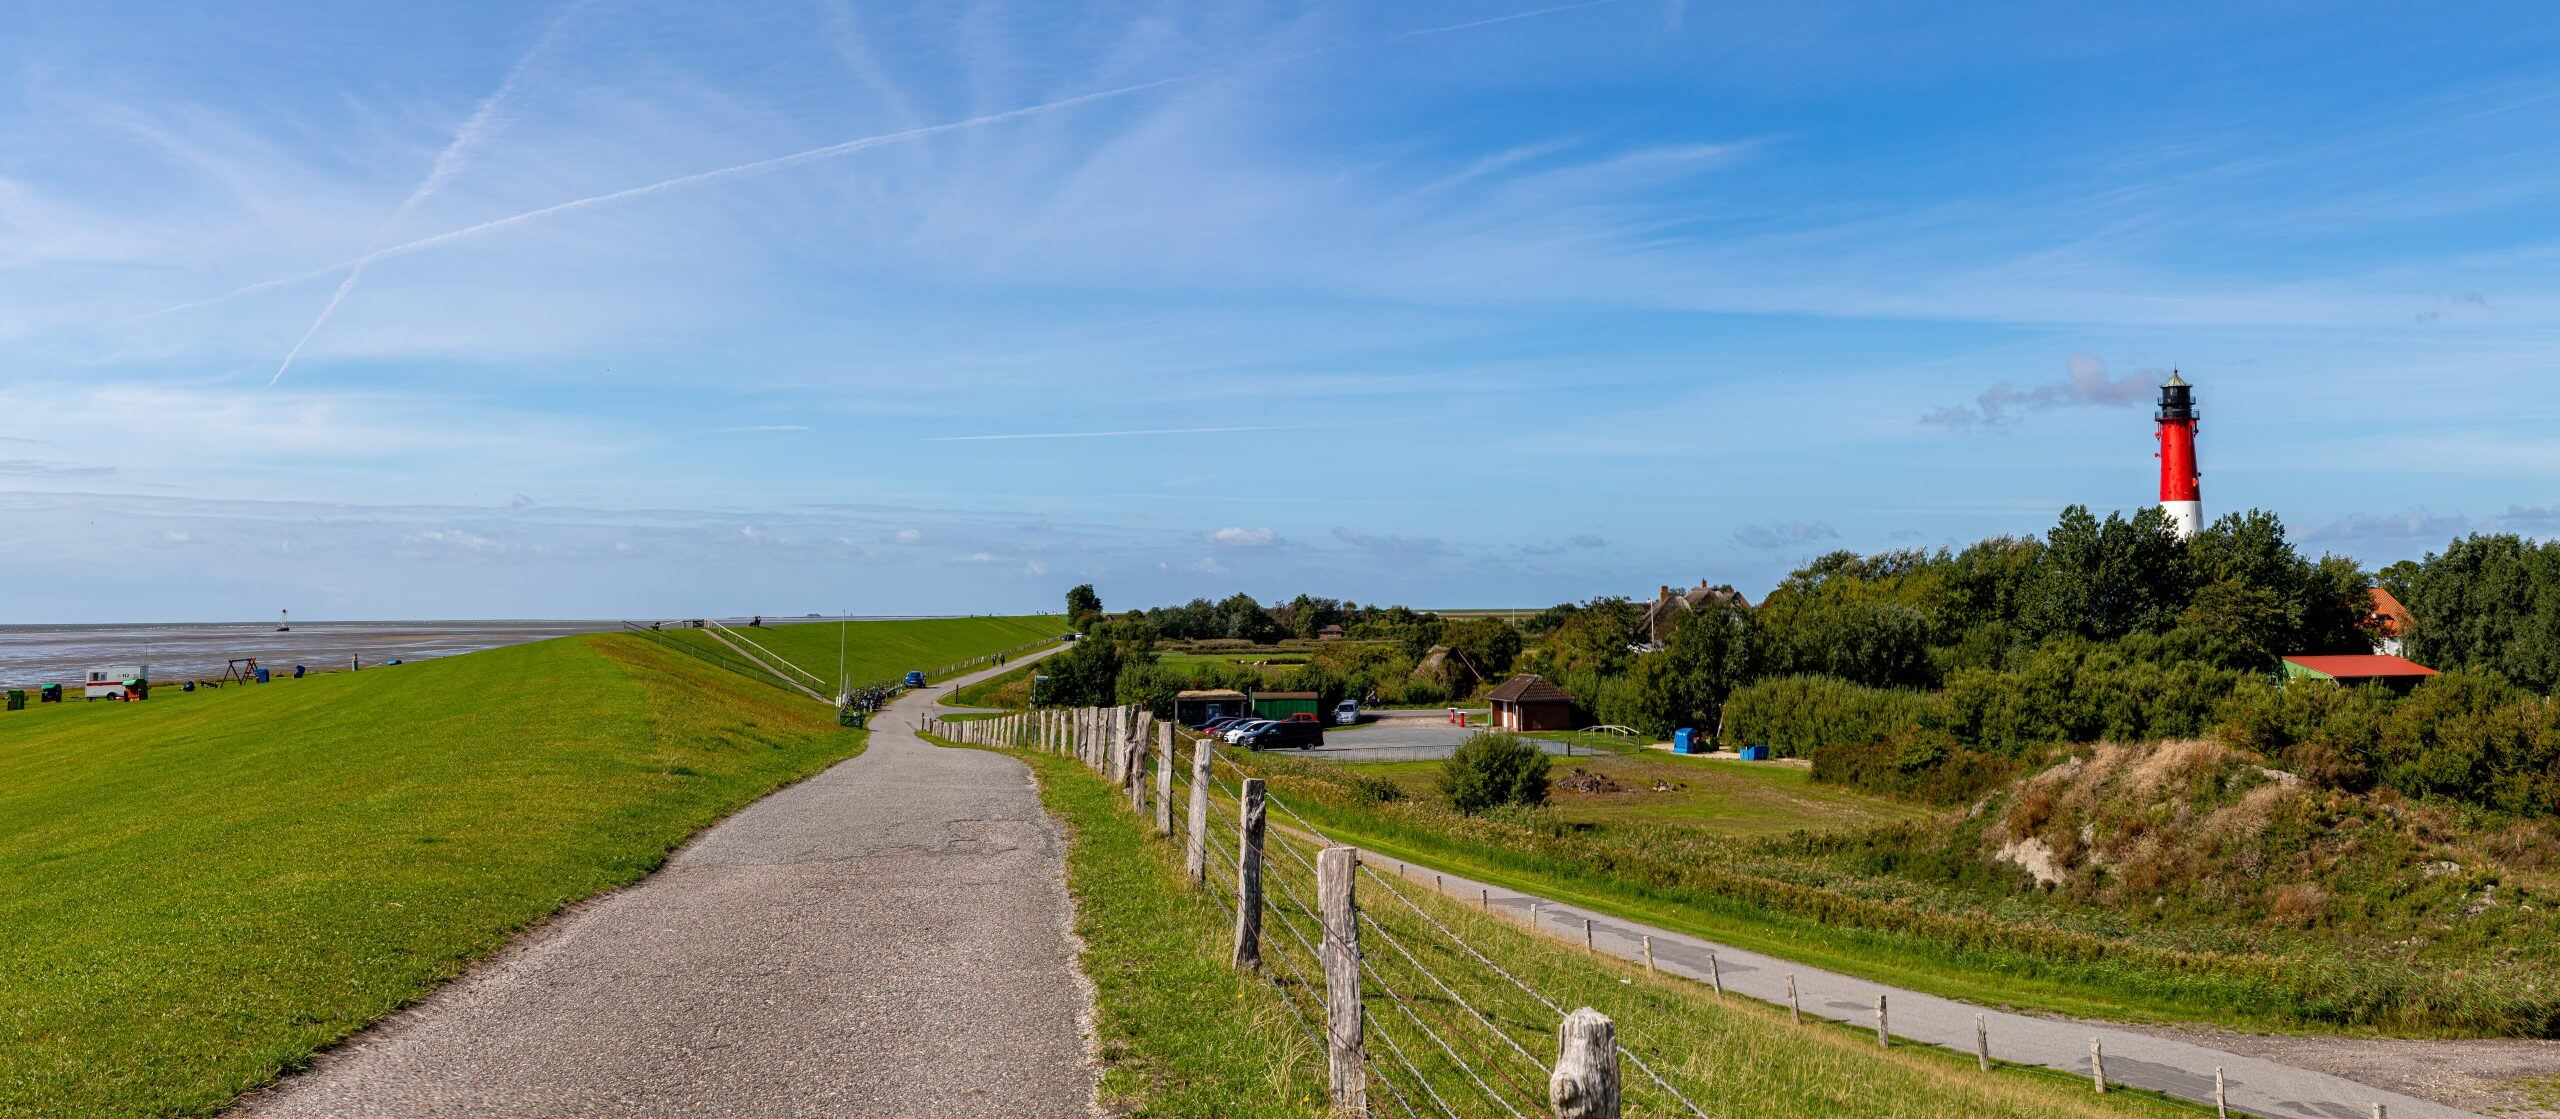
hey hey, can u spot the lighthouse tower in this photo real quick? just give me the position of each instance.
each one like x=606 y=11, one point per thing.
x=2181 y=491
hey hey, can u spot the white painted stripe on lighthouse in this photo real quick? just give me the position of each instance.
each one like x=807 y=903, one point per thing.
x=2186 y=516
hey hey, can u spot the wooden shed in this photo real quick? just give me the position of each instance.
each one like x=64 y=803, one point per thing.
x=1530 y=702
x=1193 y=707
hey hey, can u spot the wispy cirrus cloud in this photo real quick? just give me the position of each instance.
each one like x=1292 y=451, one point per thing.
x=1120 y=434
x=1785 y=534
x=1396 y=549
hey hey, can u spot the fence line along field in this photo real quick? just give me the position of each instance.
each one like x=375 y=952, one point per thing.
x=1392 y=999
x=199 y=894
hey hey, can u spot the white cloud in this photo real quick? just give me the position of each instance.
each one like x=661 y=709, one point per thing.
x=1237 y=537
x=2086 y=385
x=910 y=536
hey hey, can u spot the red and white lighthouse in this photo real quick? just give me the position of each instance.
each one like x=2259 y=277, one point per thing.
x=2181 y=488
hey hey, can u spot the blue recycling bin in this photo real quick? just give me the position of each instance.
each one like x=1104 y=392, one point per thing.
x=1755 y=753
x=262 y=676
x=1686 y=740
x=298 y=670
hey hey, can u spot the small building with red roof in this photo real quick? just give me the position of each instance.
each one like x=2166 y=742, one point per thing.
x=1530 y=702
x=2390 y=624
x=2351 y=669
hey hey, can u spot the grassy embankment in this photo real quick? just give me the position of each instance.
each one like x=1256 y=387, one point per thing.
x=196 y=895
x=1784 y=897
x=1183 y=1034
x=881 y=652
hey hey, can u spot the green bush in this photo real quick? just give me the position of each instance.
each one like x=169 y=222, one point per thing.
x=1492 y=769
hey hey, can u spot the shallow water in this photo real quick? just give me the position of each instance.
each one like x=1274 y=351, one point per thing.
x=32 y=655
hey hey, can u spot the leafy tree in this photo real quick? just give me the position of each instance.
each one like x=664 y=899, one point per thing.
x=2106 y=579
x=1492 y=769
x=1089 y=674
x=1483 y=647
x=2490 y=603
x=1083 y=606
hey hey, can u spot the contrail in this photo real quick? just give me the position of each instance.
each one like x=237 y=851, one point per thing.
x=1501 y=19
x=358 y=263
x=464 y=139
x=1105 y=434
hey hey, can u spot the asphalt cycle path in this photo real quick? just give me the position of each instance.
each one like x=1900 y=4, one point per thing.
x=892 y=937
x=2254 y=1086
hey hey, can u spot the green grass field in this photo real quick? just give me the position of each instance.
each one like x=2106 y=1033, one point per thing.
x=1725 y=798
x=202 y=890
x=1185 y=1035
x=1738 y=880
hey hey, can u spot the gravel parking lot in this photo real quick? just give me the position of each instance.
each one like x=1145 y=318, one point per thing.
x=1408 y=740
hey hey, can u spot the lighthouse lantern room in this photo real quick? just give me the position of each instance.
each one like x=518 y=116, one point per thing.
x=2181 y=487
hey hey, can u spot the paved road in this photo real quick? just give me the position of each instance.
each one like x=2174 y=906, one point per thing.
x=889 y=938
x=2181 y=1068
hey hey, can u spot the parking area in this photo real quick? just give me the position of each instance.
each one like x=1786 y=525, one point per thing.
x=1410 y=740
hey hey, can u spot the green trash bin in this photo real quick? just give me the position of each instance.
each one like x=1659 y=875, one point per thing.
x=17 y=699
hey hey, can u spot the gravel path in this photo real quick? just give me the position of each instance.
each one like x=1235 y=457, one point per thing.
x=889 y=938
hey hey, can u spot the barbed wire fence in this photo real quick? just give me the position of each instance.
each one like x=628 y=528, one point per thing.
x=1411 y=1017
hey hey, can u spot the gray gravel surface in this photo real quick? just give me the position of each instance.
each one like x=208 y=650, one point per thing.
x=890 y=938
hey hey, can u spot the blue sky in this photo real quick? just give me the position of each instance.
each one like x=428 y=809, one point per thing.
x=619 y=308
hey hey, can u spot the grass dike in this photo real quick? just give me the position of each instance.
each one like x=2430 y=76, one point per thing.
x=203 y=890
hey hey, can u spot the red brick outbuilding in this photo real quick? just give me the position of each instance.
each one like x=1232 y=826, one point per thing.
x=1530 y=702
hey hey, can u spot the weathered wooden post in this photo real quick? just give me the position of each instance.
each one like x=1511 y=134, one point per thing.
x=2097 y=1067
x=2379 y=1111
x=1882 y=1039
x=1795 y=1012
x=1715 y=973
x=1164 y=780
x=1195 y=845
x=2221 y=1104
x=1249 y=877
x=1981 y=1043
x=1648 y=953
x=1336 y=868
x=1587 y=945
x=1585 y=1083
x=1137 y=775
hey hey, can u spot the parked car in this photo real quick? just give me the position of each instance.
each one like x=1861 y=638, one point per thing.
x=1219 y=725
x=915 y=679
x=1235 y=734
x=1286 y=732
x=1346 y=713
x=1302 y=717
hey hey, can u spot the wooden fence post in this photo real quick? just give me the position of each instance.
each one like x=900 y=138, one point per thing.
x=1137 y=775
x=1882 y=1039
x=1795 y=1012
x=1164 y=780
x=2221 y=1105
x=1715 y=973
x=2097 y=1067
x=1648 y=954
x=1981 y=1043
x=1585 y=1083
x=1249 y=877
x=1336 y=867
x=1195 y=845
